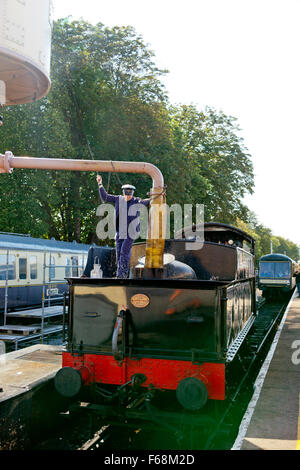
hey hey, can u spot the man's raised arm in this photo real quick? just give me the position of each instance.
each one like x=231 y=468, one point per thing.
x=103 y=194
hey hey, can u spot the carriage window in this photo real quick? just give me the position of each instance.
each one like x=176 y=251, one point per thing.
x=266 y=269
x=282 y=270
x=75 y=266
x=9 y=268
x=52 y=268
x=22 y=268
x=277 y=270
x=68 y=268
x=33 y=267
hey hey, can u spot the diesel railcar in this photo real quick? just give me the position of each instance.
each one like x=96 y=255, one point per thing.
x=177 y=334
x=22 y=271
x=276 y=274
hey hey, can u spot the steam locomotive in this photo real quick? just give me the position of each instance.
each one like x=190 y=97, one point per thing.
x=177 y=334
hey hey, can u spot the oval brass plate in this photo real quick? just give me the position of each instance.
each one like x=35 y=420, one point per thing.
x=140 y=300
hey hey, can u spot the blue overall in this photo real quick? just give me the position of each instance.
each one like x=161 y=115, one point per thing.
x=123 y=243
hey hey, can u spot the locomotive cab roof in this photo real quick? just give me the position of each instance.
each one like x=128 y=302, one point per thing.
x=217 y=232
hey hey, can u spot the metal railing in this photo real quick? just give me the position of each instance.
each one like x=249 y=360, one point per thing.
x=6 y=288
x=49 y=295
x=54 y=280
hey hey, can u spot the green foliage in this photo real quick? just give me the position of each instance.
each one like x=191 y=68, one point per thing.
x=263 y=237
x=282 y=245
x=107 y=103
x=221 y=171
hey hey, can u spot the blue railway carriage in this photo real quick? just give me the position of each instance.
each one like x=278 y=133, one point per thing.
x=276 y=274
x=27 y=264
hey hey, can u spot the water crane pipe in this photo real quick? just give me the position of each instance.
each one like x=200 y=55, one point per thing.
x=157 y=220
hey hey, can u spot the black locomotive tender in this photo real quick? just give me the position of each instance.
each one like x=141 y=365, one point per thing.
x=177 y=334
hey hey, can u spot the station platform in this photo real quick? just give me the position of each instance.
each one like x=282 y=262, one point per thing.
x=22 y=370
x=28 y=402
x=272 y=419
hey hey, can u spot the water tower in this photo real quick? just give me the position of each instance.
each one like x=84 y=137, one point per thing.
x=25 y=48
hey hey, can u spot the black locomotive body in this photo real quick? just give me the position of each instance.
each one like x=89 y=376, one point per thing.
x=177 y=333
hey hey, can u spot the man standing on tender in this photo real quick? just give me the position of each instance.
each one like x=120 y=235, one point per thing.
x=124 y=239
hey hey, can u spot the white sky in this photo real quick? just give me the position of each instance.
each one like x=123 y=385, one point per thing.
x=238 y=56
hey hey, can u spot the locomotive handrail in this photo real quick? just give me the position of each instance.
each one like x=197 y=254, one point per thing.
x=118 y=355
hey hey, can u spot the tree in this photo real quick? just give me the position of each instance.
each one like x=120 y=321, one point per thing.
x=105 y=103
x=286 y=247
x=222 y=168
x=263 y=237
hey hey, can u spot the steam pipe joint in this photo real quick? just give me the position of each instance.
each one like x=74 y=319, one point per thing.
x=5 y=166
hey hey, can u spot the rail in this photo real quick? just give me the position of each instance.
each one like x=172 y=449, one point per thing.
x=48 y=296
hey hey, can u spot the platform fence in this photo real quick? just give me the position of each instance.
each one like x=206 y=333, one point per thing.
x=53 y=276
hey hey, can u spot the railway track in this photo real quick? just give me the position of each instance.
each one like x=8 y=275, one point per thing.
x=223 y=418
x=247 y=366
